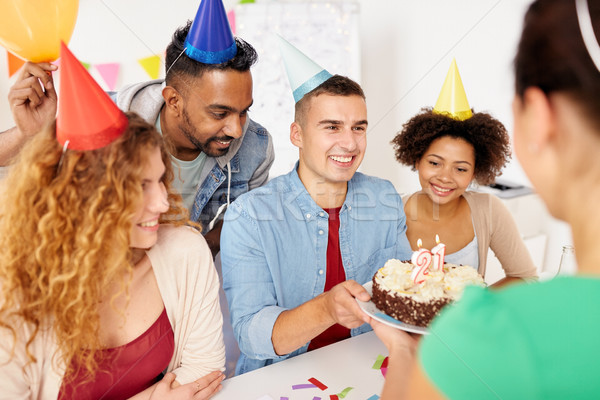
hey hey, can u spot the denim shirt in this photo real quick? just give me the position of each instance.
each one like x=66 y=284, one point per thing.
x=274 y=247
x=249 y=169
x=250 y=156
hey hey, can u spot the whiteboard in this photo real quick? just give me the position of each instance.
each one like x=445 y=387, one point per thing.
x=327 y=32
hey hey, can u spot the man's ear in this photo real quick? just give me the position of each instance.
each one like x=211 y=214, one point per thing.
x=296 y=134
x=173 y=100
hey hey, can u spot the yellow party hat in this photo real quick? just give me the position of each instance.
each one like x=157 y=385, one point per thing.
x=453 y=99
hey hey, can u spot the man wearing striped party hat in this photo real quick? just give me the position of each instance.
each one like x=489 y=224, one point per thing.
x=296 y=251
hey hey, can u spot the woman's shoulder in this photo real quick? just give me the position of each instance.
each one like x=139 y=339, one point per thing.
x=182 y=234
x=178 y=245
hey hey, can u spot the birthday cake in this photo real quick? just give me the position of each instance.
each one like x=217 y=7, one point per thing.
x=396 y=293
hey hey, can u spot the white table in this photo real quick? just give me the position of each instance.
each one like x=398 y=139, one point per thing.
x=344 y=364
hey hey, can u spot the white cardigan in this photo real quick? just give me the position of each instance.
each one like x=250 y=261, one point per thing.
x=189 y=285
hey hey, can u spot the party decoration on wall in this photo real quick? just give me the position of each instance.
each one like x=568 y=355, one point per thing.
x=109 y=72
x=87 y=117
x=151 y=65
x=231 y=18
x=453 y=99
x=303 y=73
x=14 y=63
x=210 y=40
x=33 y=30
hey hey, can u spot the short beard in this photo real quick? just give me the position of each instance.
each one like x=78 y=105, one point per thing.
x=188 y=131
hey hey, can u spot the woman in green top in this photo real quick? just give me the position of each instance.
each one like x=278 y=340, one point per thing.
x=537 y=341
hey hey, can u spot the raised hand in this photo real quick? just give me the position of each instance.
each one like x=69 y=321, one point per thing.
x=33 y=98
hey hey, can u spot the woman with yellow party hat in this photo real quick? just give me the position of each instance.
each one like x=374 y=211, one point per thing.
x=451 y=146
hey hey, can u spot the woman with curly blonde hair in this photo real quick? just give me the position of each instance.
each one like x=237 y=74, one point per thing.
x=103 y=287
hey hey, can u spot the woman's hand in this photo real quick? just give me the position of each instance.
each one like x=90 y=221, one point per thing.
x=397 y=341
x=201 y=389
x=32 y=98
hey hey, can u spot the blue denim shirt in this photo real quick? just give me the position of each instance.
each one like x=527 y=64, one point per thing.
x=249 y=169
x=250 y=156
x=274 y=253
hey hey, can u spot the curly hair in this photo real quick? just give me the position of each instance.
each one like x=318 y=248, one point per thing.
x=65 y=233
x=486 y=134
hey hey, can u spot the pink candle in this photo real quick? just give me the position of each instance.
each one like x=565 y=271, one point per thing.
x=421 y=260
x=439 y=252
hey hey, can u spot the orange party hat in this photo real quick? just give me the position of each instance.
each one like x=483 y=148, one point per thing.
x=87 y=117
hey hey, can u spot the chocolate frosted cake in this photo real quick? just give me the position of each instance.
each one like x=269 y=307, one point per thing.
x=396 y=294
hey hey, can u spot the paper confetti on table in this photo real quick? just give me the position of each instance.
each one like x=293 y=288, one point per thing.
x=344 y=392
x=374 y=397
x=317 y=383
x=384 y=365
x=303 y=386
x=378 y=362
x=284 y=398
x=333 y=397
x=316 y=398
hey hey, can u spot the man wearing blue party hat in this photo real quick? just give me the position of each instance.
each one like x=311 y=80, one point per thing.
x=296 y=251
x=201 y=108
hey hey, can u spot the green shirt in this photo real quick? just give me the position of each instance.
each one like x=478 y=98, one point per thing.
x=537 y=341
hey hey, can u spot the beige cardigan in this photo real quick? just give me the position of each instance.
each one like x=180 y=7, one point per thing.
x=189 y=285
x=495 y=228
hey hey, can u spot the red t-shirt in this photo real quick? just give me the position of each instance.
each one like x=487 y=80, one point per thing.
x=129 y=369
x=335 y=275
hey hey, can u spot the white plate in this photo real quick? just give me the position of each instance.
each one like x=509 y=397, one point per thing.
x=370 y=308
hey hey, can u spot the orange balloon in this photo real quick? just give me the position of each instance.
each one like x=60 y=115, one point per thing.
x=34 y=29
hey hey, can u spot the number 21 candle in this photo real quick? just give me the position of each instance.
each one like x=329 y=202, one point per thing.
x=421 y=260
x=439 y=252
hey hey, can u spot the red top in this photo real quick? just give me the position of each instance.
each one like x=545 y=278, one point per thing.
x=129 y=369
x=335 y=275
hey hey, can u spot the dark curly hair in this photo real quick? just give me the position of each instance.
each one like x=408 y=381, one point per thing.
x=184 y=66
x=486 y=134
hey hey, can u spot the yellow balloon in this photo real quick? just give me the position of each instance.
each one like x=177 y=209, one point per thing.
x=33 y=29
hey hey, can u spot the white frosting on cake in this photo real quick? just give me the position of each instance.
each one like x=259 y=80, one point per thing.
x=395 y=276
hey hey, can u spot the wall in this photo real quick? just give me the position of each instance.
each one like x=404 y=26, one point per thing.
x=406 y=48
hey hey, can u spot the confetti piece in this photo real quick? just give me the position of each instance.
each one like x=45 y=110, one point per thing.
x=316 y=398
x=333 y=397
x=384 y=364
x=284 y=398
x=374 y=397
x=303 y=386
x=344 y=392
x=378 y=362
x=383 y=371
x=317 y=383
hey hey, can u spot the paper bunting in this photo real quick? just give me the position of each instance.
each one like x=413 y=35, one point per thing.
x=231 y=18
x=85 y=65
x=109 y=72
x=14 y=63
x=151 y=65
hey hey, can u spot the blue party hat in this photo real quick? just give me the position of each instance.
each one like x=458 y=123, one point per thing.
x=210 y=40
x=303 y=73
